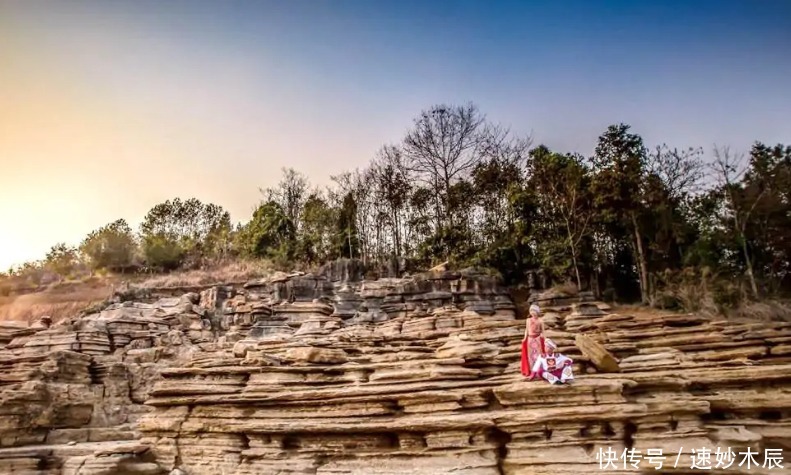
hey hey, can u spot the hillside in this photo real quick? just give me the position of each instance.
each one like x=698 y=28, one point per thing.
x=24 y=302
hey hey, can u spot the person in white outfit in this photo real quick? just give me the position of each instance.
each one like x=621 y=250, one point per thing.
x=554 y=367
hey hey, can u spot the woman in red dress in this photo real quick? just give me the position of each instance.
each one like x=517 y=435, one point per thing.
x=533 y=342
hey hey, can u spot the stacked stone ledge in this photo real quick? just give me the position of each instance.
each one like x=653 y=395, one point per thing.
x=303 y=373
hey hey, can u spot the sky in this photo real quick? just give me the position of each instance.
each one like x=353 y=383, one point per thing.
x=109 y=107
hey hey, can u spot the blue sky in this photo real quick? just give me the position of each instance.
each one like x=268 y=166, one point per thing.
x=115 y=106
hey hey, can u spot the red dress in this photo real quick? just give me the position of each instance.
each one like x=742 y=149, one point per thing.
x=533 y=346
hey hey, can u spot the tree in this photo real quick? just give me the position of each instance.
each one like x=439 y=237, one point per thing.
x=62 y=259
x=270 y=233
x=513 y=251
x=769 y=173
x=392 y=181
x=422 y=216
x=355 y=202
x=176 y=229
x=110 y=247
x=162 y=252
x=347 y=237
x=33 y=272
x=672 y=180
x=680 y=171
x=316 y=235
x=619 y=165
x=729 y=169
x=442 y=147
x=757 y=207
x=562 y=184
x=290 y=194
x=493 y=180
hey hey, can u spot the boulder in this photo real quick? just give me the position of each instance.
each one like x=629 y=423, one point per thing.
x=597 y=353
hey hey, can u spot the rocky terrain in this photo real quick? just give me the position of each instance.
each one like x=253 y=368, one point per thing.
x=333 y=374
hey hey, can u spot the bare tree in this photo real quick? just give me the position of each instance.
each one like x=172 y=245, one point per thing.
x=729 y=169
x=503 y=158
x=498 y=143
x=442 y=147
x=681 y=171
x=290 y=193
x=359 y=186
x=392 y=189
x=575 y=210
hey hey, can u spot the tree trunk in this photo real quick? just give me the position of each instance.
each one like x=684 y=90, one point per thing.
x=574 y=257
x=378 y=250
x=596 y=286
x=750 y=274
x=645 y=291
x=349 y=234
x=397 y=236
x=448 y=211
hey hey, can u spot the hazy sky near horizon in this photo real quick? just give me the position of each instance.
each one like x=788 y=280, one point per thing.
x=109 y=107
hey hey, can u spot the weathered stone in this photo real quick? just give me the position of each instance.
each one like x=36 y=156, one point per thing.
x=469 y=350
x=602 y=358
x=324 y=374
x=307 y=354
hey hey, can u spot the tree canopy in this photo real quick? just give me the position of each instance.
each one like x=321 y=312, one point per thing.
x=631 y=221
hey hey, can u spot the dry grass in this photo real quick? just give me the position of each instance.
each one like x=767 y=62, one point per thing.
x=765 y=311
x=566 y=288
x=65 y=299
x=57 y=302
x=639 y=310
x=237 y=271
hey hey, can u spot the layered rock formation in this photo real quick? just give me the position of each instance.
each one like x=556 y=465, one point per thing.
x=319 y=375
x=71 y=394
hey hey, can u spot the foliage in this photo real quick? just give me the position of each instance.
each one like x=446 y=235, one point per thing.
x=269 y=234
x=315 y=241
x=347 y=240
x=176 y=231
x=162 y=252
x=290 y=194
x=630 y=222
x=110 y=247
x=62 y=259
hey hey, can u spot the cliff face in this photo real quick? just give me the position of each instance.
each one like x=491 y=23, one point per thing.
x=309 y=374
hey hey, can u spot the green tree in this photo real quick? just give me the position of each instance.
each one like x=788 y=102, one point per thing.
x=756 y=208
x=562 y=186
x=62 y=259
x=768 y=180
x=162 y=252
x=270 y=234
x=316 y=235
x=177 y=230
x=110 y=247
x=346 y=236
x=619 y=165
x=493 y=181
x=290 y=194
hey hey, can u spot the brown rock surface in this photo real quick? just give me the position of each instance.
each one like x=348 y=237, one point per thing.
x=311 y=374
x=597 y=353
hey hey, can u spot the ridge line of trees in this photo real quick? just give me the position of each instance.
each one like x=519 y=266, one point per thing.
x=631 y=222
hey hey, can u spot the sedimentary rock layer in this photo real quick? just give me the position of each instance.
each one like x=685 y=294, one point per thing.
x=318 y=375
